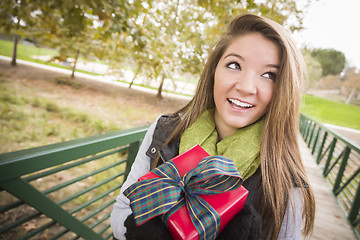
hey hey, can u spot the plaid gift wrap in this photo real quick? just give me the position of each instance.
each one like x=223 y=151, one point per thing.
x=169 y=194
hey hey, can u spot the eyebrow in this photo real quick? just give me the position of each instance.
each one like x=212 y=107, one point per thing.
x=242 y=58
x=234 y=55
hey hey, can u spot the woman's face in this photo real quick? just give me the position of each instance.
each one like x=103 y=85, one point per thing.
x=244 y=82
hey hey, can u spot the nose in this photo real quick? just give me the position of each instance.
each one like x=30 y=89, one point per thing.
x=246 y=83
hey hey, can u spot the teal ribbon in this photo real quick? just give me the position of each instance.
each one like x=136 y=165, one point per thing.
x=165 y=195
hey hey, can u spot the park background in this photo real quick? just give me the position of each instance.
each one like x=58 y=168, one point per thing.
x=154 y=44
x=73 y=69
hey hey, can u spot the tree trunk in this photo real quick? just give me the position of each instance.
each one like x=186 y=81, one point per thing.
x=136 y=73
x=13 y=60
x=161 y=86
x=14 y=55
x=350 y=96
x=74 y=67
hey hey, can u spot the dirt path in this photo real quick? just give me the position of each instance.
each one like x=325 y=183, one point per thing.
x=94 y=92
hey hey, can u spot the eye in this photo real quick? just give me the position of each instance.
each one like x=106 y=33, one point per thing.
x=233 y=65
x=270 y=75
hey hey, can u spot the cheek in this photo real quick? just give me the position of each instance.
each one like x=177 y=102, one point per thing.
x=217 y=85
x=265 y=93
x=222 y=79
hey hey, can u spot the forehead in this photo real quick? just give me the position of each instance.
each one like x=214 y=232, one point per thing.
x=254 y=45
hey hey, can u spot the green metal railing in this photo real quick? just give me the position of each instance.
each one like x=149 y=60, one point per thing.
x=340 y=161
x=65 y=190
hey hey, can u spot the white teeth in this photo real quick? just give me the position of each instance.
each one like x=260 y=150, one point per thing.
x=240 y=104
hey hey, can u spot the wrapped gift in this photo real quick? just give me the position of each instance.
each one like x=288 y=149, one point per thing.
x=197 y=194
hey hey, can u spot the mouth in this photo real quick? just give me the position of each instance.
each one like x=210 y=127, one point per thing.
x=239 y=104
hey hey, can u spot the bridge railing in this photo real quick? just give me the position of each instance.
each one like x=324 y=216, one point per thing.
x=65 y=190
x=339 y=160
x=68 y=189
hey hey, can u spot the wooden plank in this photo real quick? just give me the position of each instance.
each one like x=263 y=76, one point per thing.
x=330 y=221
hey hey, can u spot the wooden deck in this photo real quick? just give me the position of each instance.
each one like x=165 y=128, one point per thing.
x=330 y=221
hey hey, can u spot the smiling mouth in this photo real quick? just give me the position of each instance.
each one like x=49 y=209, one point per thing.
x=238 y=104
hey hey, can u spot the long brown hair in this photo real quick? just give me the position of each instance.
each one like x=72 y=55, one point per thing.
x=281 y=164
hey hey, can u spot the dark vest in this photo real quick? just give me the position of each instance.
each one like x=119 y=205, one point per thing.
x=163 y=130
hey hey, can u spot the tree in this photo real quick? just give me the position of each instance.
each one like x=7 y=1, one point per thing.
x=15 y=18
x=331 y=60
x=351 y=83
x=285 y=12
x=201 y=24
x=160 y=37
x=314 y=69
x=177 y=35
x=73 y=27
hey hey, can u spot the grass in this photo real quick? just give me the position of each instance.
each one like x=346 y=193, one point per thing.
x=32 y=115
x=27 y=53
x=24 y=51
x=332 y=112
x=155 y=88
x=27 y=120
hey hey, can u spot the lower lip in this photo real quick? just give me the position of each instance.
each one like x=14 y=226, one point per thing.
x=238 y=109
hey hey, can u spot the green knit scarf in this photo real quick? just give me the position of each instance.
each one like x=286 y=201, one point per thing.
x=242 y=147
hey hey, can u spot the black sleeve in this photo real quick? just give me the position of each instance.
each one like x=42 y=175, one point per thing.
x=154 y=229
x=245 y=225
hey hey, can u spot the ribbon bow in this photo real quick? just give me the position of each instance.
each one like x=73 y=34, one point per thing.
x=165 y=195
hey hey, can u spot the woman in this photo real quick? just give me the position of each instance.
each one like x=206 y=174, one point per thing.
x=246 y=107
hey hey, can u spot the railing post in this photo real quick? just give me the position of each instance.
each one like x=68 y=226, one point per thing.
x=354 y=210
x=302 y=119
x=341 y=169
x=308 y=126
x=133 y=149
x=318 y=158
x=305 y=127
x=316 y=140
x=331 y=151
x=311 y=134
x=24 y=191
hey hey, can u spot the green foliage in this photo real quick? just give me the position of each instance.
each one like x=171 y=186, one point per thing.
x=16 y=15
x=331 y=60
x=176 y=36
x=67 y=81
x=332 y=112
x=159 y=38
x=52 y=107
x=280 y=11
